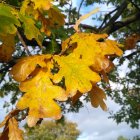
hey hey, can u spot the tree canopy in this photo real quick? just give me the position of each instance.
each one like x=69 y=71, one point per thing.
x=51 y=130
x=49 y=59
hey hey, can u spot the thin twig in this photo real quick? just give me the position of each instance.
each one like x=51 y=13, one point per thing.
x=121 y=8
x=106 y=17
x=69 y=14
x=23 y=43
x=80 y=9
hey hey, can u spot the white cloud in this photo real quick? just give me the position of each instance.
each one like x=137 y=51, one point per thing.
x=95 y=125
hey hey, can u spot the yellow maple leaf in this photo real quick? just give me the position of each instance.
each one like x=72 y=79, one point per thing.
x=77 y=74
x=97 y=95
x=40 y=95
x=14 y=132
x=27 y=65
x=7 y=47
x=42 y=4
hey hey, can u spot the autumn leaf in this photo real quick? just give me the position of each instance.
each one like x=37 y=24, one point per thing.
x=40 y=95
x=31 y=121
x=30 y=30
x=76 y=97
x=8 y=21
x=42 y=4
x=7 y=47
x=14 y=132
x=97 y=97
x=92 y=49
x=130 y=41
x=11 y=114
x=77 y=74
x=56 y=17
x=27 y=65
x=4 y=134
x=24 y=6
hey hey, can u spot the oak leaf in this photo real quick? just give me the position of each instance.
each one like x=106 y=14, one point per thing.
x=56 y=17
x=93 y=48
x=10 y=115
x=27 y=65
x=97 y=97
x=7 y=47
x=130 y=41
x=77 y=74
x=42 y=4
x=8 y=21
x=14 y=132
x=30 y=30
x=40 y=95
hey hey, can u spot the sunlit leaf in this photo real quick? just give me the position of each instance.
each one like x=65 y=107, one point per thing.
x=40 y=95
x=91 y=49
x=42 y=4
x=14 y=132
x=27 y=65
x=77 y=74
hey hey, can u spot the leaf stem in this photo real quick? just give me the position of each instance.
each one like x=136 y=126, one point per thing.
x=23 y=43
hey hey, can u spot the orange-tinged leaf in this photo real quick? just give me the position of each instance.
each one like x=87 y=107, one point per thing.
x=110 y=47
x=77 y=74
x=40 y=95
x=76 y=97
x=57 y=18
x=104 y=76
x=4 y=134
x=130 y=42
x=11 y=114
x=97 y=97
x=42 y=4
x=84 y=41
x=92 y=50
x=27 y=65
x=7 y=47
x=31 y=121
x=14 y=132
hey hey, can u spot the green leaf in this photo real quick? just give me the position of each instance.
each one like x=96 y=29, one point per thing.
x=30 y=30
x=8 y=20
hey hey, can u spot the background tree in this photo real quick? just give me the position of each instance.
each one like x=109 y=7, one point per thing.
x=51 y=130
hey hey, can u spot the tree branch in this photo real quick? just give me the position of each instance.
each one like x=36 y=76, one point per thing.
x=23 y=43
x=106 y=17
x=119 y=24
x=7 y=67
x=79 y=9
x=117 y=14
